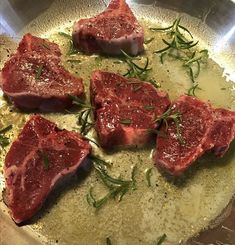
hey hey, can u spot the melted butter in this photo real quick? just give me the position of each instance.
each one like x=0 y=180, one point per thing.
x=179 y=210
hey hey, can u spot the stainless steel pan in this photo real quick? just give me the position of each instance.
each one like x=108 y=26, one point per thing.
x=213 y=23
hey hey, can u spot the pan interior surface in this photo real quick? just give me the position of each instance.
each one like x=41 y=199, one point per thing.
x=180 y=210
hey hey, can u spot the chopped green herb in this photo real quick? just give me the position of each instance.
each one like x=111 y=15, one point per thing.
x=133 y=173
x=72 y=49
x=108 y=241
x=149 y=107
x=223 y=88
x=45 y=159
x=4 y=141
x=45 y=45
x=149 y=40
x=154 y=83
x=161 y=239
x=74 y=61
x=4 y=130
x=126 y=121
x=39 y=71
x=176 y=117
x=162 y=57
x=65 y=35
x=98 y=60
x=148 y=174
x=134 y=81
x=136 y=88
x=117 y=187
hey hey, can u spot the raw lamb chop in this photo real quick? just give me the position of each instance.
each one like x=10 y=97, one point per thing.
x=41 y=156
x=39 y=45
x=34 y=79
x=113 y=30
x=202 y=129
x=125 y=109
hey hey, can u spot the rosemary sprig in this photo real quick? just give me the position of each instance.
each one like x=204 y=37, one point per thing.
x=161 y=239
x=179 y=41
x=176 y=117
x=4 y=140
x=179 y=47
x=117 y=186
x=84 y=116
x=84 y=119
x=193 y=63
x=135 y=70
x=38 y=71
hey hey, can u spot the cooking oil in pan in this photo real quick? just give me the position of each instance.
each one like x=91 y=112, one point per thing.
x=179 y=210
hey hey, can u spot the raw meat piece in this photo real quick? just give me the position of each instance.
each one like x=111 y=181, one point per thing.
x=40 y=157
x=222 y=132
x=113 y=30
x=49 y=92
x=34 y=79
x=125 y=109
x=39 y=45
x=202 y=128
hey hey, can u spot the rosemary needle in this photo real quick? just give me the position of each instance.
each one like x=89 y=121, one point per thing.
x=38 y=71
x=7 y=128
x=191 y=91
x=148 y=174
x=65 y=35
x=45 y=45
x=45 y=159
x=149 y=40
x=72 y=49
x=161 y=239
x=125 y=121
x=108 y=241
